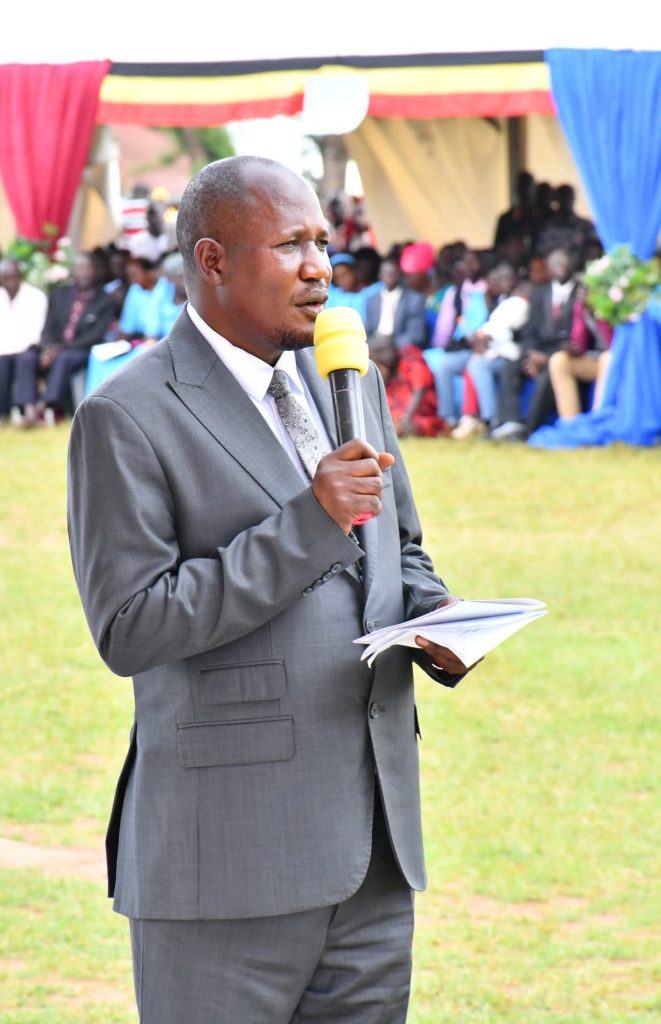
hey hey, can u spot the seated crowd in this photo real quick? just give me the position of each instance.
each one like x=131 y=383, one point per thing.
x=492 y=342
x=117 y=300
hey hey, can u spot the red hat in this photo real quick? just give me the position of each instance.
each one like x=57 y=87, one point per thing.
x=417 y=258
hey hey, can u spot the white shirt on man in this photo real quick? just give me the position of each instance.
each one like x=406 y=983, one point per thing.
x=254 y=376
x=560 y=292
x=21 y=318
x=389 y=303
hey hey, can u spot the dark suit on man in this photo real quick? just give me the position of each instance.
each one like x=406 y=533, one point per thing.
x=90 y=329
x=410 y=325
x=546 y=331
x=209 y=572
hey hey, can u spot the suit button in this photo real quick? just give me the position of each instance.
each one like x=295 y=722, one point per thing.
x=336 y=567
x=375 y=709
x=370 y=625
x=327 y=576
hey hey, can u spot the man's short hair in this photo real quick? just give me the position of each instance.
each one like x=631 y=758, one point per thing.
x=214 y=200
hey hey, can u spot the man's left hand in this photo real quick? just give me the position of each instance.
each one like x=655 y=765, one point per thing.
x=442 y=658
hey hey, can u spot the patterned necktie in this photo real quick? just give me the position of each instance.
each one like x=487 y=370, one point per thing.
x=302 y=431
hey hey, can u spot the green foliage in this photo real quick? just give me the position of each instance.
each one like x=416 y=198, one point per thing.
x=202 y=145
x=539 y=772
x=619 y=285
x=43 y=262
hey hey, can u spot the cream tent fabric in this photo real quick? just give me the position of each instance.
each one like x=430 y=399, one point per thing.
x=548 y=158
x=96 y=216
x=443 y=180
x=432 y=180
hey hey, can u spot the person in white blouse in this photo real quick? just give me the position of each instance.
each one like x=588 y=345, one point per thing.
x=23 y=311
x=495 y=344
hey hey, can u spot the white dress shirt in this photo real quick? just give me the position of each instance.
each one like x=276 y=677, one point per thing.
x=389 y=304
x=21 y=319
x=254 y=376
x=560 y=292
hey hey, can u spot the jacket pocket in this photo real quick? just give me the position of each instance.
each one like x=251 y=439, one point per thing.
x=257 y=741
x=235 y=684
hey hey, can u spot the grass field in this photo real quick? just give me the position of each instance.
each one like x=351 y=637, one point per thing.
x=540 y=772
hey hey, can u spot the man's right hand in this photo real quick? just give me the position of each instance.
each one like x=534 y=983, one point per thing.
x=349 y=482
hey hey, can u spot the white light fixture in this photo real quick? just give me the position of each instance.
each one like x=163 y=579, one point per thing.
x=334 y=104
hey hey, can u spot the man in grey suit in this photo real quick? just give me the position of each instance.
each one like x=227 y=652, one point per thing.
x=265 y=835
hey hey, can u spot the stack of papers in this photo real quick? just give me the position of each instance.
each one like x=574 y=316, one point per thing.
x=470 y=629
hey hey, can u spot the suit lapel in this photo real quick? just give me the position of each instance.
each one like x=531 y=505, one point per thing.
x=319 y=389
x=213 y=396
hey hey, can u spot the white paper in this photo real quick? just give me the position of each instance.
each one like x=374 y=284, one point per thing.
x=106 y=350
x=470 y=629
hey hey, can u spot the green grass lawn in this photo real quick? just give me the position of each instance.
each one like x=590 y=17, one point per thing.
x=540 y=772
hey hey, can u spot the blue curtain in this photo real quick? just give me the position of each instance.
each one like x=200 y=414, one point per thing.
x=609 y=106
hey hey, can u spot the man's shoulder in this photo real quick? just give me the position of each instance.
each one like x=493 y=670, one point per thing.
x=140 y=382
x=32 y=294
x=412 y=298
x=137 y=382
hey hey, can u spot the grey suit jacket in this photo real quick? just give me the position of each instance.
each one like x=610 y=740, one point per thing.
x=210 y=573
x=542 y=332
x=410 y=327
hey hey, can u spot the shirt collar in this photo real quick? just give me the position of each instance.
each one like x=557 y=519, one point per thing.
x=252 y=373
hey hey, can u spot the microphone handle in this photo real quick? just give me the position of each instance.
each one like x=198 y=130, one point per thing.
x=347 y=405
x=348 y=411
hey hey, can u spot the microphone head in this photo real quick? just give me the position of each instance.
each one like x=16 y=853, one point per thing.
x=340 y=341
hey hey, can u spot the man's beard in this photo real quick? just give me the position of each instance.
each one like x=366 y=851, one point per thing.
x=290 y=341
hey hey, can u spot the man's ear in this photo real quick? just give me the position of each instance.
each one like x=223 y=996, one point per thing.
x=209 y=260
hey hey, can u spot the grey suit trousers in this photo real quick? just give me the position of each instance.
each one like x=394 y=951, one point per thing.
x=349 y=963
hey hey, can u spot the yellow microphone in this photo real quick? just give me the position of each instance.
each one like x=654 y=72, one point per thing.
x=342 y=358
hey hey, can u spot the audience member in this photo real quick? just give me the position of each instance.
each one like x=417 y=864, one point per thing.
x=565 y=229
x=417 y=262
x=118 y=282
x=442 y=279
x=345 y=288
x=396 y=313
x=493 y=345
x=519 y=221
x=157 y=239
x=409 y=387
x=368 y=267
x=542 y=212
x=147 y=289
x=163 y=313
x=584 y=358
x=548 y=327
x=337 y=229
x=537 y=270
x=463 y=309
x=79 y=314
x=359 y=231
x=466 y=280
x=22 y=315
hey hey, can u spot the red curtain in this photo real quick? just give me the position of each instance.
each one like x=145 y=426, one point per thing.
x=47 y=117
